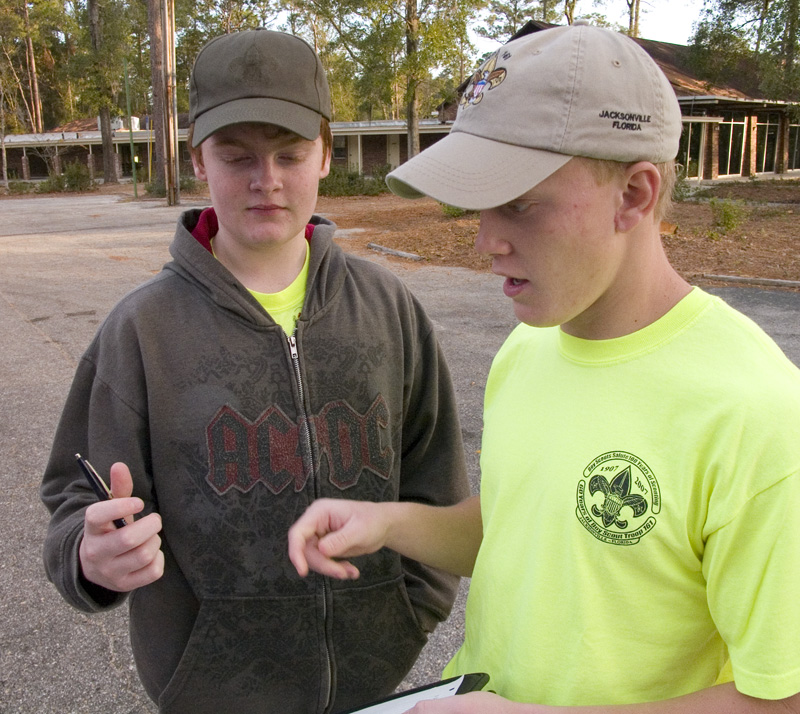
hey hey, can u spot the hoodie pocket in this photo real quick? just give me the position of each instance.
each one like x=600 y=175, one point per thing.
x=250 y=655
x=377 y=638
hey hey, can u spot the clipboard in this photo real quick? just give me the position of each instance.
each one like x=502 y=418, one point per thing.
x=399 y=703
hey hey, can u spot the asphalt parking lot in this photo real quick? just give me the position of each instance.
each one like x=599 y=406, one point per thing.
x=64 y=262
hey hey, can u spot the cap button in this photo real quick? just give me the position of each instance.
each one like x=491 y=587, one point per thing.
x=581 y=21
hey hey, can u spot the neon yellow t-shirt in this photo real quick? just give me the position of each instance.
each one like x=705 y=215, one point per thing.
x=285 y=306
x=639 y=499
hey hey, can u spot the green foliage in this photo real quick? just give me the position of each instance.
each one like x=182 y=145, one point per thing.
x=17 y=188
x=728 y=214
x=77 y=177
x=188 y=184
x=455 y=212
x=54 y=183
x=504 y=19
x=682 y=190
x=74 y=178
x=754 y=43
x=341 y=182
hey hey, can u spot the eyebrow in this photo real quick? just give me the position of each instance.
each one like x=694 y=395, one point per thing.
x=283 y=138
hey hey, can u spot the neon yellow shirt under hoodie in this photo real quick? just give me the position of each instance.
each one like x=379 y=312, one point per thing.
x=285 y=306
x=640 y=501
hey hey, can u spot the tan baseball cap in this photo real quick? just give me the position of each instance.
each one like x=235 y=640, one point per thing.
x=258 y=76
x=537 y=102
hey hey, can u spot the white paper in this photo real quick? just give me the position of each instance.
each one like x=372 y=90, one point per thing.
x=404 y=702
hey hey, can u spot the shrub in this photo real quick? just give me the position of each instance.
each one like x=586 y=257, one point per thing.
x=187 y=184
x=727 y=214
x=17 y=188
x=455 y=211
x=341 y=182
x=682 y=189
x=77 y=178
x=54 y=183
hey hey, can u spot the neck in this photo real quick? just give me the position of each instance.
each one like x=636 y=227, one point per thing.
x=646 y=288
x=263 y=268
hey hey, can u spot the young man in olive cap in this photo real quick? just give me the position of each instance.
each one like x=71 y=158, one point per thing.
x=262 y=369
x=635 y=546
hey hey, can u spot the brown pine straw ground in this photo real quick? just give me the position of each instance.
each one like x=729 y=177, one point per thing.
x=765 y=245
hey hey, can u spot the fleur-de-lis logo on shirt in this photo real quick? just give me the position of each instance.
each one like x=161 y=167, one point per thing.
x=617 y=496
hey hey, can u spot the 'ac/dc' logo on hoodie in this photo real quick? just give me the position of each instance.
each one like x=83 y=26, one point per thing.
x=268 y=450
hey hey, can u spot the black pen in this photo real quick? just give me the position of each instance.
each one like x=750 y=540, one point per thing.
x=98 y=485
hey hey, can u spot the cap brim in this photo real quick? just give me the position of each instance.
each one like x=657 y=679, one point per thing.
x=472 y=172
x=260 y=110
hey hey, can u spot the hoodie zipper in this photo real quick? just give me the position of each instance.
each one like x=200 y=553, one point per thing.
x=307 y=432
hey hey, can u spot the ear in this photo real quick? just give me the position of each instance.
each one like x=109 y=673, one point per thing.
x=326 y=163
x=639 y=196
x=197 y=163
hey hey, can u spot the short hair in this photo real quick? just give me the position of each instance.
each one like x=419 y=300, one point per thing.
x=604 y=171
x=324 y=131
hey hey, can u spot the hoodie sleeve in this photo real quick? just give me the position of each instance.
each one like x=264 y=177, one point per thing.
x=433 y=464
x=104 y=426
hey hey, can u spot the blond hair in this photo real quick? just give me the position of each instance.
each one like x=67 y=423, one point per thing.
x=604 y=171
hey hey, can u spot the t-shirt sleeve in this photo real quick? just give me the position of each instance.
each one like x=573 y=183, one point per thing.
x=752 y=570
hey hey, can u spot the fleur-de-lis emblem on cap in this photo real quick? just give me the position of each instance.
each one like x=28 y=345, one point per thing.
x=485 y=77
x=617 y=496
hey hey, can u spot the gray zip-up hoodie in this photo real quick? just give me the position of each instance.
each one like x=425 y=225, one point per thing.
x=231 y=430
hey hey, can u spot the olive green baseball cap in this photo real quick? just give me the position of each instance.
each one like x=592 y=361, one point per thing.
x=258 y=76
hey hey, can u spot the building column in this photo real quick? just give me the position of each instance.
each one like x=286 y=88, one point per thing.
x=750 y=157
x=90 y=163
x=782 y=153
x=26 y=166
x=711 y=155
x=118 y=163
x=393 y=151
x=57 y=163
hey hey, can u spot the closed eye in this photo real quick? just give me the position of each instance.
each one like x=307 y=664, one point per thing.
x=518 y=206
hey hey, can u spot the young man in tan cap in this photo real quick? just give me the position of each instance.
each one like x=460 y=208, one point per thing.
x=262 y=369
x=635 y=546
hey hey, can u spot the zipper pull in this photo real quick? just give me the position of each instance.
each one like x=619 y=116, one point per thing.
x=293 y=346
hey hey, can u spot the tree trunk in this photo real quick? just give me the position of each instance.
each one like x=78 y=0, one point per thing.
x=96 y=31
x=634 y=9
x=569 y=10
x=109 y=164
x=155 y=26
x=3 y=133
x=790 y=46
x=412 y=47
x=33 y=78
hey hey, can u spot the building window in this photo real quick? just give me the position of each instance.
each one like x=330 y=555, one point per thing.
x=731 y=143
x=340 y=147
x=794 y=147
x=691 y=150
x=767 y=127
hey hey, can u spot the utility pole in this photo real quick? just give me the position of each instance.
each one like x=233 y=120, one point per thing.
x=155 y=25
x=172 y=155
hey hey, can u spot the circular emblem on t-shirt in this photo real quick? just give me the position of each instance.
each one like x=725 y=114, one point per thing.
x=618 y=498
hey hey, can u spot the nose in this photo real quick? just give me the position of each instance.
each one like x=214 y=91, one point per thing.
x=266 y=176
x=490 y=240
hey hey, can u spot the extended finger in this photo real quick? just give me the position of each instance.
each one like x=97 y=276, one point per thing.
x=100 y=516
x=339 y=569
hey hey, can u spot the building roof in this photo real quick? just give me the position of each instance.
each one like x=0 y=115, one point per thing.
x=676 y=63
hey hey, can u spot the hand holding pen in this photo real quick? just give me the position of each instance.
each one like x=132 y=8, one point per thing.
x=115 y=557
